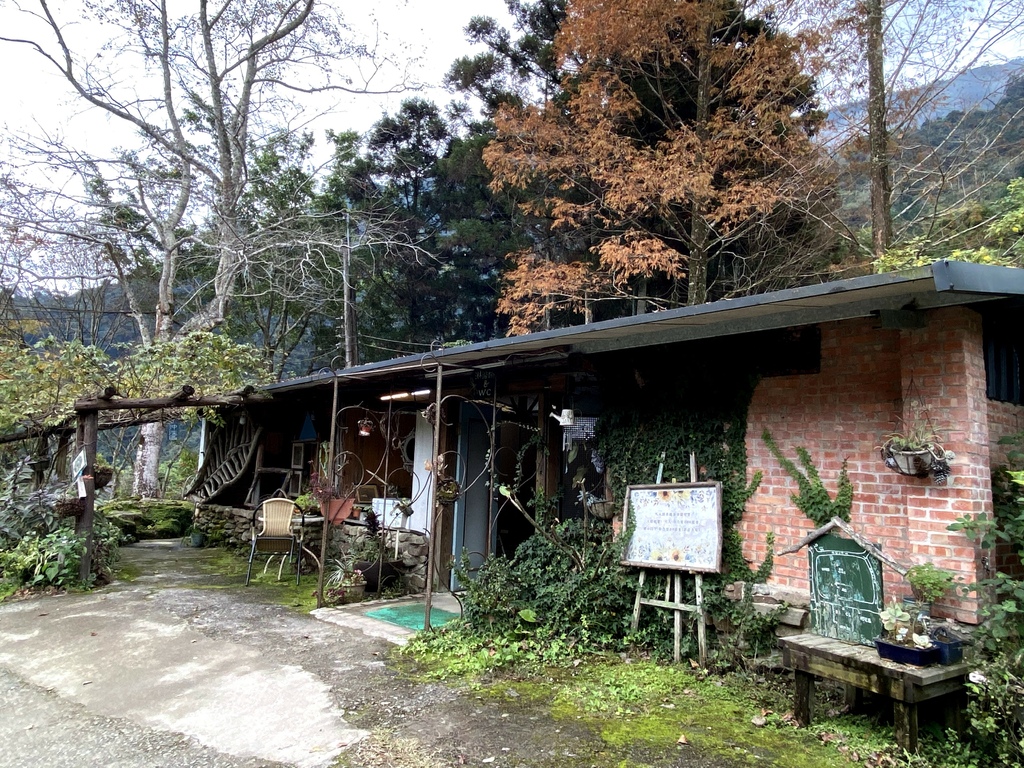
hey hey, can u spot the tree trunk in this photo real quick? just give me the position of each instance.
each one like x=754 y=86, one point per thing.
x=348 y=303
x=878 y=134
x=700 y=232
x=146 y=481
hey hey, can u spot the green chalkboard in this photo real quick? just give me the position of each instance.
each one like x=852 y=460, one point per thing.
x=846 y=590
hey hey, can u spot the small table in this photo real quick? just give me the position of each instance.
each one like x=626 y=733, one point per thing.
x=813 y=656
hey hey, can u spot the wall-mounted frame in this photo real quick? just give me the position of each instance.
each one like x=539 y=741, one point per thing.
x=298 y=455
x=674 y=526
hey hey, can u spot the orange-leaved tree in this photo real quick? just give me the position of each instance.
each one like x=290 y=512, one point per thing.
x=678 y=154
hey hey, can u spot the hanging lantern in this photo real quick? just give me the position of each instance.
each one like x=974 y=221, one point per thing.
x=365 y=427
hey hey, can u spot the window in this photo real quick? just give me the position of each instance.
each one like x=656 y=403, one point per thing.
x=1003 y=341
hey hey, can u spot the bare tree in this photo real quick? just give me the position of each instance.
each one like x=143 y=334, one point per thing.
x=199 y=89
x=887 y=69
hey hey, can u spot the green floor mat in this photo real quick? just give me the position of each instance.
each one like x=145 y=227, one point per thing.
x=411 y=616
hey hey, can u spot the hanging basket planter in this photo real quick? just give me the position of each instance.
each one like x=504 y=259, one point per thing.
x=928 y=460
x=365 y=427
x=102 y=476
x=605 y=510
x=69 y=507
x=448 y=490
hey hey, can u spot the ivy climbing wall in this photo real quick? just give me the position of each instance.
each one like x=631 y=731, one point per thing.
x=656 y=405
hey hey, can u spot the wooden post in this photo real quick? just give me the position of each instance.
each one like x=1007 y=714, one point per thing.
x=702 y=627
x=434 y=506
x=673 y=601
x=803 y=698
x=698 y=585
x=88 y=430
x=639 y=596
x=904 y=724
x=677 y=622
x=325 y=528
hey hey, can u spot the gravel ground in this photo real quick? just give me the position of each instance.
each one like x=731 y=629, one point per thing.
x=392 y=720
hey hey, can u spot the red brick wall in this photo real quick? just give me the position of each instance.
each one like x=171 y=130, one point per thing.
x=868 y=378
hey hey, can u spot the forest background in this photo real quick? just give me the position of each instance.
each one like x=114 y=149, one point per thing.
x=594 y=160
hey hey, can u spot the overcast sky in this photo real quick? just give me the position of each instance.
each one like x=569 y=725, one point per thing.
x=34 y=100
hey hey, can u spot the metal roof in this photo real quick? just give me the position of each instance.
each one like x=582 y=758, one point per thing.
x=943 y=283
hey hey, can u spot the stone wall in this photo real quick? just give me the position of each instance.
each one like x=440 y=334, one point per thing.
x=412 y=550
x=224 y=526
x=230 y=527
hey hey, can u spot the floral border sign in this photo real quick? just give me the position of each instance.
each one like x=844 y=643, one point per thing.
x=675 y=526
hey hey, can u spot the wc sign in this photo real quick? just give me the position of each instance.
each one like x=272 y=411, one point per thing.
x=78 y=468
x=78 y=464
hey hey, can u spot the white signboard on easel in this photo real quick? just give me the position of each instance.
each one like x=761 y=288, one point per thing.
x=675 y=526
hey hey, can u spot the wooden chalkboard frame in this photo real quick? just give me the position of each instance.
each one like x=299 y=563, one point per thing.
x=669 y=496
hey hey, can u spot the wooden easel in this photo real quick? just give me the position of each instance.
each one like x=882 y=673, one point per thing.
x=674 y=596
x=672 y=601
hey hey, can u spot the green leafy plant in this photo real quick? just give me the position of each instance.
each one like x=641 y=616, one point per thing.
x=548 y=605
x=928 y=582
x=812 y=498
x=996 y=684
x=50 y=560
x=899 y=627
x=24 y=510
x=893 y=615
x=917 y=437
x=343 y=582
x=307 y=503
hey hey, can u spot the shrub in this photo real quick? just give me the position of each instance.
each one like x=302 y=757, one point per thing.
x=545 y=594
x=24 y=511
x=997 y=684
x=50 y=560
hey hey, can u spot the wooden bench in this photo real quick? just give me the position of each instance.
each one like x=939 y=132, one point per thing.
x=811 y=656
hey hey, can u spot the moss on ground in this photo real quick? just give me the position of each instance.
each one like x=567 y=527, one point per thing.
x=141 y=519
x=127 y=571
x=7 y=588
x=264 y=587
x=648 y=714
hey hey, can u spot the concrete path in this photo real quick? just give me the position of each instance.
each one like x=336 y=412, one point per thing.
x=186 y=667
x=119 y=657
x=119 y=660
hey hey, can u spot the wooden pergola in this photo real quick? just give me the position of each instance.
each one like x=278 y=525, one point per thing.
x=87 y=411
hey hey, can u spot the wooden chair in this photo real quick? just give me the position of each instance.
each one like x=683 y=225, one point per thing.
x=272 y=534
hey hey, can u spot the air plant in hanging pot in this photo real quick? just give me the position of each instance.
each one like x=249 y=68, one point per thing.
x=916 y=452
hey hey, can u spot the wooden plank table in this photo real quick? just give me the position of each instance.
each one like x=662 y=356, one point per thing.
x=811 y=656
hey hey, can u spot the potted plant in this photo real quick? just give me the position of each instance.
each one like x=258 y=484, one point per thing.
x=102 y=473
x=914 y=451
x=448 y=490
x=329 y=502
x=69 y=506
x=900 y=641
x=369 y=556
x=344 y=584
x=928 y=584
x=307 y=504
x=951 y=647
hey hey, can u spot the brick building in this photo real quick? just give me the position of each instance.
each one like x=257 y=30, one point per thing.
x=837 y=366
